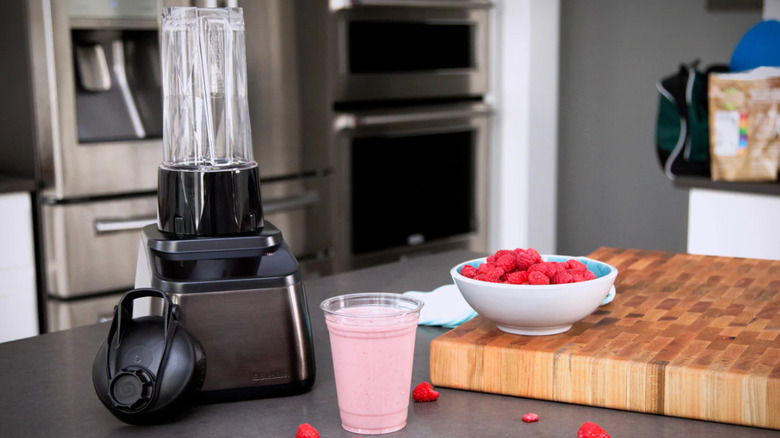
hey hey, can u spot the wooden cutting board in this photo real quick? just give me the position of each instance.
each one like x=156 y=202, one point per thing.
x=687 y=335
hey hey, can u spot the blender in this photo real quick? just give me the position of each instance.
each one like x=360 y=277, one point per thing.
x=236 y=283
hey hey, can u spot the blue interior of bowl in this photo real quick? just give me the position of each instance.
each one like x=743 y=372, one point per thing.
x=598 y=268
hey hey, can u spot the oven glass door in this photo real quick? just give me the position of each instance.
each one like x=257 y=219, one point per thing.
x=413 y=178
x=408 y=189
x=376 y=47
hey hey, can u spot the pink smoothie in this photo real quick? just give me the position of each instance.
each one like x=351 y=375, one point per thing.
x=372 y=361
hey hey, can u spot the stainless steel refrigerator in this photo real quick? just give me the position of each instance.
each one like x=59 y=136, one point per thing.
x=94 y=83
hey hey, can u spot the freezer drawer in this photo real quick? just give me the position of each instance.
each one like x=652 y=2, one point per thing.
x=64 y=315
x=92 y=247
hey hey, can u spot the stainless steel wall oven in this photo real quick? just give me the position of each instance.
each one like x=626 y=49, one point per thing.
x=397 y=89
x=388 y=50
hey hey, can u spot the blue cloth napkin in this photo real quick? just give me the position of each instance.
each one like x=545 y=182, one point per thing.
x=446 y=307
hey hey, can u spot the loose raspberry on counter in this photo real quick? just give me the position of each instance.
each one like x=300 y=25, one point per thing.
x=306 y=430
x=530 y=417
x=424 y=393
x=591 y=430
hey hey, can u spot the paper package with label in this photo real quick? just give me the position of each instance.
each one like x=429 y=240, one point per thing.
x=744 y=111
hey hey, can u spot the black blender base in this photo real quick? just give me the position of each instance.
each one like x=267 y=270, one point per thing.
x=254 y=326
x=271 y=391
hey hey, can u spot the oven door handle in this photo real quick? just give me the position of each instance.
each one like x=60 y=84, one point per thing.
x=106 y=226
x=345 y=121
x=305 y=199
x=336 y=5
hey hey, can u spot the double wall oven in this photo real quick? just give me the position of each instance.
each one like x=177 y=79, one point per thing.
x=397 y=87
x=95 y=81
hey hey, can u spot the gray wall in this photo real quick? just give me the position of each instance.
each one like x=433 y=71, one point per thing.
x=611 y=190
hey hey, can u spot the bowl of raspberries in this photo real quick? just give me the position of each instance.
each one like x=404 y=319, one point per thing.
x=527 y=293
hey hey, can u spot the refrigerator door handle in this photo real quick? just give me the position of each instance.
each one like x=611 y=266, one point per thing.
x=311 y=197
x=105 y=226
x=305 y=199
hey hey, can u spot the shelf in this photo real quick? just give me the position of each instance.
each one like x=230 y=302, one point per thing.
x=761 y=188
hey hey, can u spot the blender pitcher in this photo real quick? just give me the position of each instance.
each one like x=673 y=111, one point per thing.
x=208 y=182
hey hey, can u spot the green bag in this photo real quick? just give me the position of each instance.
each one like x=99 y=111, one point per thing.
x=682 y=128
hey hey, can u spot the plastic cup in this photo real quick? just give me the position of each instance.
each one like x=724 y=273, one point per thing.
x=372 y=343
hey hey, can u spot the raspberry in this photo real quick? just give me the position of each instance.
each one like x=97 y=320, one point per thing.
x=516 y=267
x=526 y=258
x=484 y=268
x=576 y=265
x=530 y=417
x=583 y=276
x=517 y=277
x=562 y=278
x=468 y=271
x=424 y=393
x=591 y=430
x=306 y=430
x=500 y=253
x=547 y=268
x=494 y=276
x=507 y=262
x=536 y=277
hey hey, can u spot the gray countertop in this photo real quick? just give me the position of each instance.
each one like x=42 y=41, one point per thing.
x=46 y=387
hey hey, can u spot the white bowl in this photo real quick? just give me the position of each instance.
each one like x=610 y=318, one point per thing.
x=536 y=309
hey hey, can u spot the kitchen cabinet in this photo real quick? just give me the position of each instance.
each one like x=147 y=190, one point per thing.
x=732 y=219
x=734 y=224
x=18 y=297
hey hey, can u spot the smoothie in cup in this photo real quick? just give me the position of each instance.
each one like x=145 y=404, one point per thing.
x=372 y=342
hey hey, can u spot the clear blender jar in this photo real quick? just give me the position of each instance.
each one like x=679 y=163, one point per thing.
x=208 y=183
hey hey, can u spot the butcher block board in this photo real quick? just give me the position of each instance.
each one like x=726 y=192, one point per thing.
x=686 y=335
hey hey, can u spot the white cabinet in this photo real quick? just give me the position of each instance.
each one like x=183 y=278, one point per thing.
x=733 y=224
x=18 y=301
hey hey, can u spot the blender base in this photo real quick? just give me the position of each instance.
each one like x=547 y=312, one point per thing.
x=254 y=327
